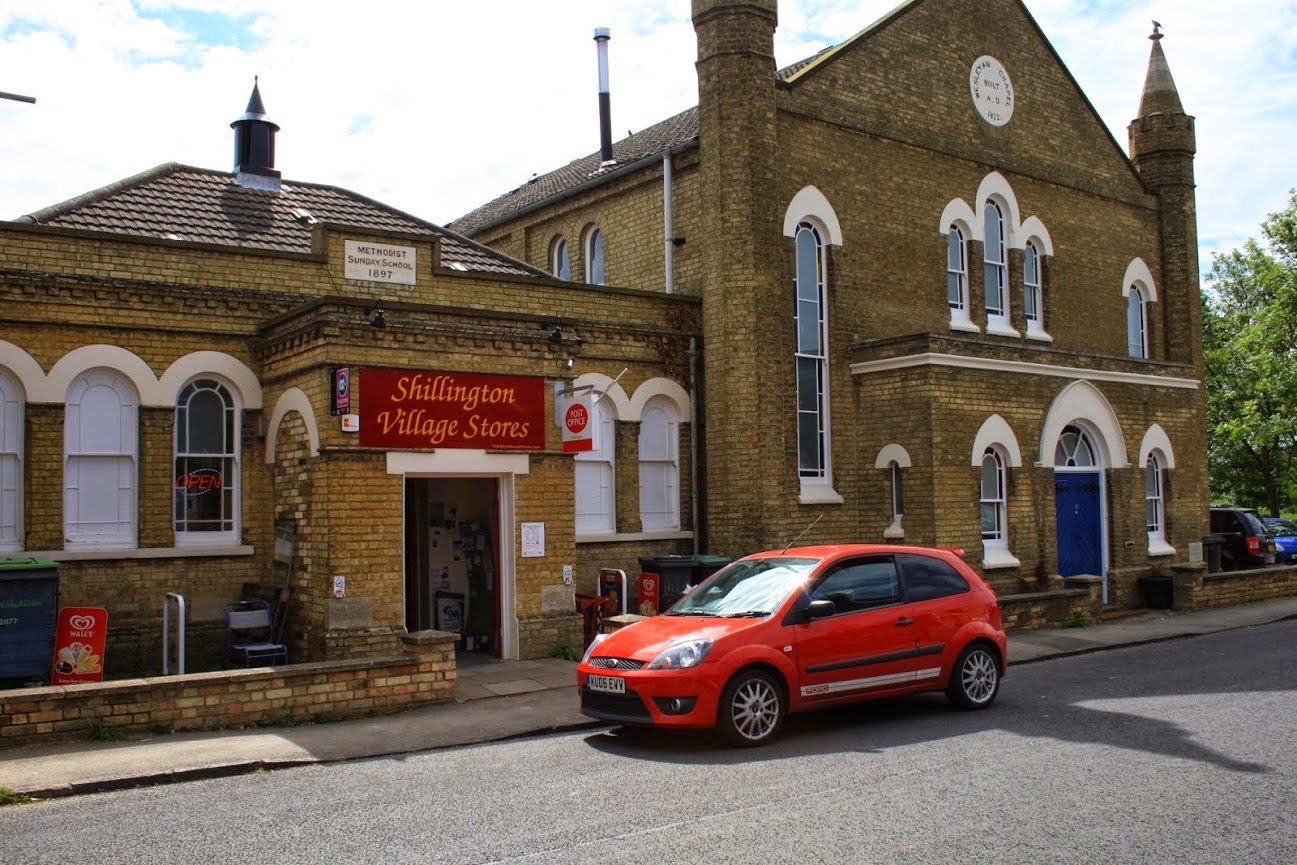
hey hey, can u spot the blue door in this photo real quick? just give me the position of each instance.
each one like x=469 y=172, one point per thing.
x=1079 y=523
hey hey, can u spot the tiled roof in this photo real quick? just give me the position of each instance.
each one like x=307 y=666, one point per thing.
x=651 y=142
x=179 y=202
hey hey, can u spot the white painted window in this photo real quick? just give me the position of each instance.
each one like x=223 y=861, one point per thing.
x=1136 y=324
x=11 y=465
x=100 y=447
x=811 y=357
x=995 y=266
x=594 y=268
x=659 y=467
x=993 y=500
x=206 y=492
x=957 y=274
x=561 y=265
x=1154 y=516
x=898 y=492
x=1031 y=294
x=596 y=506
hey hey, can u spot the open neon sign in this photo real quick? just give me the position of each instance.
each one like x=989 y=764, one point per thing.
x=200 y=481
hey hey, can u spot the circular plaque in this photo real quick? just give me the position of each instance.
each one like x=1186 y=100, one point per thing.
x=991 y=89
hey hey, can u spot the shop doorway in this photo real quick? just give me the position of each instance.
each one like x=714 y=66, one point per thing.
x=452 y=566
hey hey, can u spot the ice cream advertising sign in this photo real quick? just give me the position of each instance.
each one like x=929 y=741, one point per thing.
x=79 y=645
x=402 y=408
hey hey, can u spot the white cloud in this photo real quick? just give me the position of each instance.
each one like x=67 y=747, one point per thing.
x=438 y=107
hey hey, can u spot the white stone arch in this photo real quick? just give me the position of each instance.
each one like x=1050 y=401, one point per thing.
x=995 y=430
x=1033 y=229
x=892 y=453
x=127 y=364
x=995 y=186
x=610 y=392
x=810 y=204
x=659 y=387
x=958 y=213
x=293 y=399
x=1083 y=404
x=1137 y=273
x=1156 y=439
x=23 y=368
x=215 y=363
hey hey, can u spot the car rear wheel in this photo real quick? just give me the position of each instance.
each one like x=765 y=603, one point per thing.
x=976 y=678
x=751 y=709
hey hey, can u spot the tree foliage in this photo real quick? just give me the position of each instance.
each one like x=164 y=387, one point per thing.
x=1250 y=350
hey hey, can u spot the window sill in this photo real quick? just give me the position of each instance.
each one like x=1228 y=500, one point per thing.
x=83 y=554
x=1000 y=328
x=627 y=537
x=964 y=324
x=998 y=557
x=1159 y=547
x=894 y=532
x=819 y=495
x=1038 y=334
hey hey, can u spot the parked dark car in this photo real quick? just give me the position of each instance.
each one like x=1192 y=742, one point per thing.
x=1248 y=544
x=1285 y=538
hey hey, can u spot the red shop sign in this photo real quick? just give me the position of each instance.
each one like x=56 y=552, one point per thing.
x=403 y=408
x=79 y=645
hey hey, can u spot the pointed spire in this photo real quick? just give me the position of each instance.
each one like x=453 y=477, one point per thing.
x=254 y=145
x=1160 y=95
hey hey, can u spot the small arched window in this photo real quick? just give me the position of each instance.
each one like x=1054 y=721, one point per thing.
x=594 y=264
x=1074 y=450
x=1031 y=293
x=1154 y=515
x=992 y=498
x=206 y=464
x=995 y=267
x=659 y=467
x=957 y=274
x=1136 y=324
x=561 y=264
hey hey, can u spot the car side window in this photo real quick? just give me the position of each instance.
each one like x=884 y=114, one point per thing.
x=927 y=578
x=861 y=584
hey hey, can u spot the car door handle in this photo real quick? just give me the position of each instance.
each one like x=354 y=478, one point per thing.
x=901 y=623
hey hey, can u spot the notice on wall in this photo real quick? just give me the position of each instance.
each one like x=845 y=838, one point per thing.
x=533 y=540
x=379 y=262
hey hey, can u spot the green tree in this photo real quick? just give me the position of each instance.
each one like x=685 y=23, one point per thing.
x=1250 y=350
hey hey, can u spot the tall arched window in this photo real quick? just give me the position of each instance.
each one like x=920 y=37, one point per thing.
x=811 y=356
x=594 y=270
x=995 y=267
x=561 y=265
x=1136 y=324
x=11 y=465
x=596 y=507
x=993 y=500
x=100 y=453
x=1031 y=294
x=957 y=274
x=659 y=467
x=206 y=464
x=1154 y=515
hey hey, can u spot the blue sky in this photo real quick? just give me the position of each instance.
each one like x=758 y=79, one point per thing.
x=426 y=106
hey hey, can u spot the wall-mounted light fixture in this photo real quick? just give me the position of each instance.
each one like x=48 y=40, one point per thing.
x=569 y=363
x=556 y=335
x=378 y=320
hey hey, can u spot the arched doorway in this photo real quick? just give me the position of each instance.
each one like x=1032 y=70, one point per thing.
x=1078 y=505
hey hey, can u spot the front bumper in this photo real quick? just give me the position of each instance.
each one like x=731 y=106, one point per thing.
x=683 y=699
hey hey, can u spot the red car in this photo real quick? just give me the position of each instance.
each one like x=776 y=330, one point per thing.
x=797 y=629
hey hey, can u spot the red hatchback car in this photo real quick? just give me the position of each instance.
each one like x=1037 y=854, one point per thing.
x=797 y=629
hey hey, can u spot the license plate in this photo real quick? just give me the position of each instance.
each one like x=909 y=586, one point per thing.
x=608 y=684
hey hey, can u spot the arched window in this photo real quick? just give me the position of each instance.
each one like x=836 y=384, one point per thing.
x=100 y=454
x=898 y=492
x=206 y=464
x=811 y=357
x=596 y=507
x=1154 y=515
x=957 y=274
x=11 y=465
x=1031 y=294
x=561 y=265
x=995 y=267
x=594 y=271
x=659 y=467
x=993 y=499
x=1074 y=449
x=1136 y=324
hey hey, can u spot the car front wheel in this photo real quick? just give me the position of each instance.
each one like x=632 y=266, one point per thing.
x=751 y=709
x=976 y=678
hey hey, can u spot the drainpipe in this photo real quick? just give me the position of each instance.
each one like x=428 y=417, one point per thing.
x=693 y=437
x=669 y=244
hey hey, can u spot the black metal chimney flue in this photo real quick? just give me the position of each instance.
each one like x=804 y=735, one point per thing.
x=601 y=37
x=254 y=145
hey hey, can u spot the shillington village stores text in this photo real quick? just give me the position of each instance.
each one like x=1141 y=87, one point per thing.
x=442 y=410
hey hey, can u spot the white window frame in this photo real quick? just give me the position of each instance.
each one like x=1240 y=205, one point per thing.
x=995 y=266
x=810 y=361
x=595 y=264
x=595 y=476
x=1033 y=298
x=12 y=413
x=101 y=444
x=659 y=466
x=1155 y=506
x=957 y=279
x=1136 y=324
x=995 y=542
x=561 y=260
x=230 y=490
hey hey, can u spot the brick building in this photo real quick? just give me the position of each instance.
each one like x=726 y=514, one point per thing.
x=910 y=289
x=940 y=303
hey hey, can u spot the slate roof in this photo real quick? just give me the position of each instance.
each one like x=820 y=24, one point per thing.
x=180 y=202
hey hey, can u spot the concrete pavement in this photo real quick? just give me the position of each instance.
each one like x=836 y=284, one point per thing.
x=494 y=701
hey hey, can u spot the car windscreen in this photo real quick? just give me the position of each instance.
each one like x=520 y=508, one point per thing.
x=746 y=587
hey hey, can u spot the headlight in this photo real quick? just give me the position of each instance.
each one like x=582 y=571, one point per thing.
x=682 y=656
x=598 y=638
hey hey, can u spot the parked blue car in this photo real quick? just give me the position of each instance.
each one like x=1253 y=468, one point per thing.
x=1285 y=539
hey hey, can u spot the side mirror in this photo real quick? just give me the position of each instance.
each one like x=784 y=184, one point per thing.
x=820 y=609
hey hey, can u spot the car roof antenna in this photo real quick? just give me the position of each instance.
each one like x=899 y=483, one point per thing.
x=794 y=541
